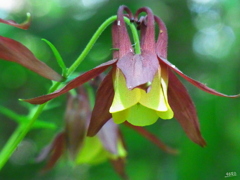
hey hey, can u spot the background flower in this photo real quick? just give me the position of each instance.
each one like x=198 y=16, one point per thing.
x=73 y=141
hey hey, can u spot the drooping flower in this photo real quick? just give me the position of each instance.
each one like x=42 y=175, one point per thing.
x=141 y=87
x=139 y=82
x=14 y=51
x=135 y=99
x=106 y=145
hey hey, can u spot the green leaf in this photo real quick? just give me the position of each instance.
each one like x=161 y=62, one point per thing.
x=57 y=56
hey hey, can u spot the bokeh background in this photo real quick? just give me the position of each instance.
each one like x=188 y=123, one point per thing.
x=204 y=41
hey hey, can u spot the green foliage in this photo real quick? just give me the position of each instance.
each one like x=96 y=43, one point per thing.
x=57 y=56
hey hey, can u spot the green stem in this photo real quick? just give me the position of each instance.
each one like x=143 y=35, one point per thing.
x=11 y=145
x=135 y=36
x=90 y=44
x=21 y=132
x=24 y=128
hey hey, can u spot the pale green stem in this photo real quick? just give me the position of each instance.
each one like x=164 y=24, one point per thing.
x=135 y=36
x=24 y=128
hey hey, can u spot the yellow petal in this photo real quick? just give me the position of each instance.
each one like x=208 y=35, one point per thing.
x=164 y=84
x=120 y=116
x=123 y=97
x=91 y=155
x=155 y=98
x=165 y=114
x=139 y=115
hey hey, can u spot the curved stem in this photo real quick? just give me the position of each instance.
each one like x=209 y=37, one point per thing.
x=89 y=46
x=24 y=128
x=135 y=36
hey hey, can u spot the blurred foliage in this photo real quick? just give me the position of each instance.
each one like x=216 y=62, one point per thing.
x=204 y=41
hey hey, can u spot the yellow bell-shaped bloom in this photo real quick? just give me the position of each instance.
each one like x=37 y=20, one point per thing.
x=137 y=106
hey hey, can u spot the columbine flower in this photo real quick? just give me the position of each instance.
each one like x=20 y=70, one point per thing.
x=140 y=84
x=140 y=99
x=108 y=144
x=14 y=51
x=140 y=88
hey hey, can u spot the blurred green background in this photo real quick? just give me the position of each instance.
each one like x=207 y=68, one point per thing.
x=204 y=41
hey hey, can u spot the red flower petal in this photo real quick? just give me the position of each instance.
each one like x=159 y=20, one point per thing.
x=125 y=45
x=147 y=29
x=72 y=84
x=196 y=83
x=138 y=69
x=115 y=40
x=24 y=25
x=162 y=41
x=53 y=151
x=184 y=110
x=104 y=98
x=119 y=166
x=14 y=51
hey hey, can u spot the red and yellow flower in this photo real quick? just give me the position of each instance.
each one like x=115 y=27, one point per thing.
x=140 y=87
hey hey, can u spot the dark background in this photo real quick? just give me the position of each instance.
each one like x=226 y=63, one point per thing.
x=204 y=41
